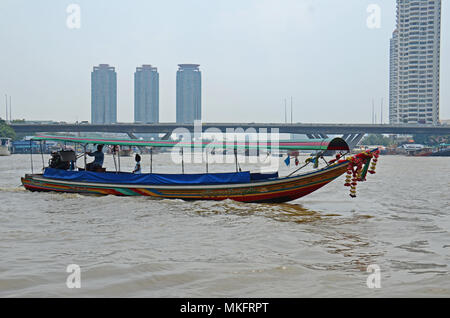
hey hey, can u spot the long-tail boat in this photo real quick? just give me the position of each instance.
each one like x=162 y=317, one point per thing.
x=241 y=186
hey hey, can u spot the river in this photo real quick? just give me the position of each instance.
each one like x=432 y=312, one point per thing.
x=317 y=246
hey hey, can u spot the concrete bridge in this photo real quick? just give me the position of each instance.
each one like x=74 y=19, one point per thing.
x=352 y=133
x=298 y=128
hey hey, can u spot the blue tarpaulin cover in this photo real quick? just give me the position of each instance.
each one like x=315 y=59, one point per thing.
x=263 y=176
x=146 y=179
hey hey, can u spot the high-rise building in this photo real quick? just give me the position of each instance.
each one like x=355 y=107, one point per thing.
x=103 y=95
x=146 y=94
x=393 y=79
x=414 y=65
x=189 y=101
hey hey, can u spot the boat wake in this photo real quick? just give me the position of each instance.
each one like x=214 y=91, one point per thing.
x=19 y=188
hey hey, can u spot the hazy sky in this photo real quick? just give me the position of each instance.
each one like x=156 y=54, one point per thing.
x=252 y=55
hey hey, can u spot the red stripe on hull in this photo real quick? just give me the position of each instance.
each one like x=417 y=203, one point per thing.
x=279 y=197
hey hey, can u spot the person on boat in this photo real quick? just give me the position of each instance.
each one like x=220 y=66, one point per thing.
x=72 y=165
x=137 y=168
x=98 y=161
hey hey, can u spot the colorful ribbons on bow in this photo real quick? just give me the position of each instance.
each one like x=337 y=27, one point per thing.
x=358 y=167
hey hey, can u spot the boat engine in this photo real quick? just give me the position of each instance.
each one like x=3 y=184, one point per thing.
x=62 y=159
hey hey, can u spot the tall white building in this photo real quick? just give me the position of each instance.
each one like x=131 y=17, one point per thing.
x=414 y=63
x=146 y=94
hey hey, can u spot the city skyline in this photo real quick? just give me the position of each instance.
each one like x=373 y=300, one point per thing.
x=146 y=94
x=254 y=54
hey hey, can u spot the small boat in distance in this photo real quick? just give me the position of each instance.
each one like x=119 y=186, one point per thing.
x=5 y=146
x=417 y=150
x=242 y=186
x=442 y=150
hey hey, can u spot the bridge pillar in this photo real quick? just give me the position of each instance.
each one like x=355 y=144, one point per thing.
x=167 y=136
x=131 y=135
x=317 y=136
x=358 y=139
x=353 y=139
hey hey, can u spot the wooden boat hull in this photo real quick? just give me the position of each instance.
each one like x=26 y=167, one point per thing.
x=421 y=154
x=268 y=191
